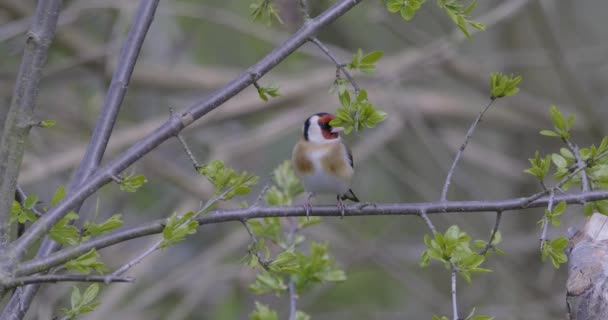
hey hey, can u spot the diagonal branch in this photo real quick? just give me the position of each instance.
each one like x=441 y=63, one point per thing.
x=448 y=179
x=103 y=127
x=220 y=216
x=177 y=123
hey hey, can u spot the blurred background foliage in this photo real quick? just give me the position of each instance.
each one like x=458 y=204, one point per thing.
x=431 y=82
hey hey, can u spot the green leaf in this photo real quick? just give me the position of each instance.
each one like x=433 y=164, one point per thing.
x=266 y=282
x=284 y=262
x=263 y=312
x=47 y=123
x=65 y=233
x=86 y=263
x=177 y=228
x=30 y=201
x=302 y=316
x=224 y=179
x=558 y=160
x=266 y=92
x=502 y=85
x=82 y=304
x=58 y=196
x=93 y=229
x=264 y=11
x=132 y=182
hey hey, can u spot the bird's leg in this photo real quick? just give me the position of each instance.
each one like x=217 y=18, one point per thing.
x=341 y=206
x=307 y=205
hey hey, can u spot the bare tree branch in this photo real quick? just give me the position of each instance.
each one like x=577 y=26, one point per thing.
x=174 y=125
x=340 y=66
x=492 y=233
x=20 y=116
x=21 y=281
x=219 y=216
x=103 y=129
x=448 y=179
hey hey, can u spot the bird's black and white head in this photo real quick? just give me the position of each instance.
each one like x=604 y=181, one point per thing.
x=318 y=130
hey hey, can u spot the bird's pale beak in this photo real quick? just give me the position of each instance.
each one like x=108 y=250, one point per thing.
x=337 y=129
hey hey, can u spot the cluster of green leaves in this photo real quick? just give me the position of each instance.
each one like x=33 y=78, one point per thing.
x=178 y=228
x=49 y=123
x=82 y=303
x=459 y=15
x=264 y=11
x=561 y=125
x=132 y=182
x=471 y=316
x=594 y=159
x=553 y=216
x=356 y=113
x=453 y=247
x=365 y=63
x=86 y=263
x=554 y=249
x=286 y=186
x=288 y=264
x=407 y=8
x=65 y=233
x=503 y=85
x=226 y=181
x=266 y=92
x=25 y=213
x=304 y=270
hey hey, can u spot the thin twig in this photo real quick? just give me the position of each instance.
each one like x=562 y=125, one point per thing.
x=225 y=215
x=428 y=221
x=492 y=233
x=448 y=179
x=454 y=296
x=176 y=124
x=254 y=245
x=46 y=278
x=339 y=66
x=543 y=235
x=20 y=196
x=305 y=9
x=580 y=164
x=181 y=140
x=293 y=225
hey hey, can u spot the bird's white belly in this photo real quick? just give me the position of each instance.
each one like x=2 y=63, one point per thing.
x=320 y=182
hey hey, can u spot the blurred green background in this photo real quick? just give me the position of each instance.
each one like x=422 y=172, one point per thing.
x=431 y=81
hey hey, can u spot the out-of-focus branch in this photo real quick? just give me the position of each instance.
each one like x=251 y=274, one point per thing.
x=219 y=216
x=103 y=129
x=569 y=77
x=20 y=117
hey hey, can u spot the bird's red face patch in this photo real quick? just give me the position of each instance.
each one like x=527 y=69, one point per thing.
x=326 y=128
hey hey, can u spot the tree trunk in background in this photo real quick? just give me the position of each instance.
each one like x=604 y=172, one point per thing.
x=587 y=287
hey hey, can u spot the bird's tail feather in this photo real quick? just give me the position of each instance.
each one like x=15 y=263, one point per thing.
x=350 y=195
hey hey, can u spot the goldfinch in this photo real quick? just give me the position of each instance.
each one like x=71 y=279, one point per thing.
x=323 y=162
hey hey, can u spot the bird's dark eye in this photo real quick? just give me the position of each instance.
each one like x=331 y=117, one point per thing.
x=325 y=126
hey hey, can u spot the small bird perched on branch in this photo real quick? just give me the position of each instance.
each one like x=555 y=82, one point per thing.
x=323 y=162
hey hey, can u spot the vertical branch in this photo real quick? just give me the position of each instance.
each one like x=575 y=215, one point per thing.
x=543 y=235
x=454 y=296
x=291 y=286
x=20 y=302
x=448 y=179
x=20 y=116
